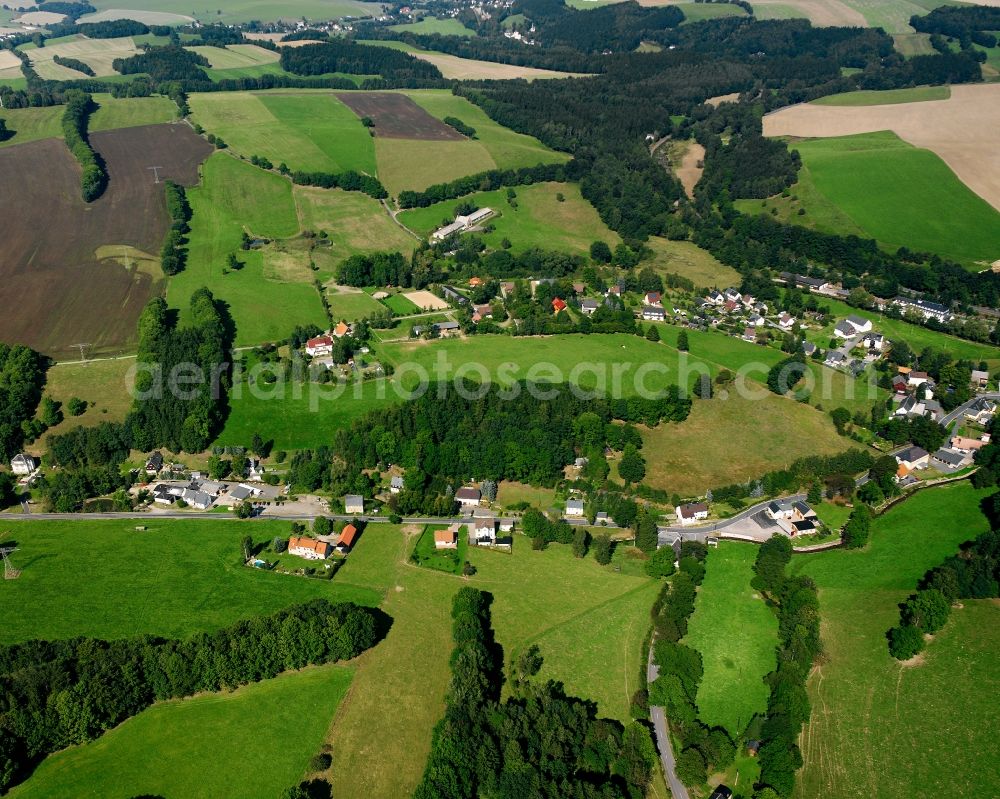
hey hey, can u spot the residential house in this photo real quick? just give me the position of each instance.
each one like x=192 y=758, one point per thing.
x=873 y=342
x=601 y=519
x=448 y=538
x=342 y=329
x=574 y=508
x=347 y=538
x=468 y=497
x=588 y=306
x=785 y=321
x=255 y=469
x=899 y=384
x=558 y=305
x=913 y=458
x=911 y=406
x=579 y=288
x=243 y=492
x=197 y=499
x=749 y=334
x=23 y=464
x=808 y=348
x=396 y=484
x=963 y=444
x=153 y=463
x=163 y=495
x=507 y=525
x=480 y=312
x=507 y=288
x=733 y=295
x=789 y=510
x=652 y=298
x=716 y=297
x=756 y=320
x=729 y=306
x=915 y=378
x=320 y=345
x=309 y=548
x=949 y=459
x=835 y=359
x=354 y=504
x=475 y=282
x=844 y=329
x=484 y=529
x=804 y=527
x=981 y=411
x=721 y=792
x=980 y=380
x=859 y=323
x=691 y=512
x=653 y=313
x=927 y=309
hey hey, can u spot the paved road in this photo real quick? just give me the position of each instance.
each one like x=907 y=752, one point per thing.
x=677 y=788
x=961 y=409
x=743 y=514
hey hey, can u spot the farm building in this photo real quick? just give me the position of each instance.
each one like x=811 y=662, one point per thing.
x=309 y=548
x=462 y=223
x=347 y=538
x=354 y=504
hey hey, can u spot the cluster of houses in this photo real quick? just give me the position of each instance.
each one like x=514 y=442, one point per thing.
x=198 y=492
x=913 y=394
x=462 y=223
x=792 y=517
x=959 y=453
x=857 y=334
x=484 y=529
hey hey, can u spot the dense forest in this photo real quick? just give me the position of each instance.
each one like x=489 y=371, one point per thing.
x=55 y=694
x=171 y=63
x=538 y=742
x=22 y=376
x=356 y=59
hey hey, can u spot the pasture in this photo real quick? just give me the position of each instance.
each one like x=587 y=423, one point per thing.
x=400 y=305
x=176 y=578
x=539 y=218
x=203 y=744
x=307 y=131
x=736 y=634
x=880 y=728
x=235 y=196
x=428 y=25
x=918 y=94
x=236 y=56
x=236 y=11
x=351 y=304
x=959 y=130
x=591 y=640
x=821 y=13
x=353 y=222
x=102 y=384
x=416 y=164
x=39 y=273
x=147 y=17
x=896 y=194
x=690 y=261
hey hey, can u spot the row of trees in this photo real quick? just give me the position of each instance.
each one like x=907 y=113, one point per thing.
x=55 y=694
x=73 y=63
x=348 y=181
x=22 y=376
x=173 y=255
x=795 y=601
x=490 y=180
x=537 y=742
x=79 y=106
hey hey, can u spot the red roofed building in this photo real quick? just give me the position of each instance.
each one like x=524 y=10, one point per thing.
x=321 y=345
x=558 y=305
x=308 y=548
x=342 y=329
x=346 y=540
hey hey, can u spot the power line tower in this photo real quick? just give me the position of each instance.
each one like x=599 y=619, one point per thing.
x=81 y=347
x=9 y=572
x=156 y=173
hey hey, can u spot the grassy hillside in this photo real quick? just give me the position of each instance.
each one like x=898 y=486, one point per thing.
x=916 y=94
x=235 y=196
x=305 y=130
x=173 y=579
x=879 y=186
x=252 y=743
x=879 y=728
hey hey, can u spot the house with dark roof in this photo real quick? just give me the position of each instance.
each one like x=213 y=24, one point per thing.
x=949 y=459
x=354 y=504
x=691 y=512
x=653 y=313
x=589 y=306
x=913 y=458
x=468 y=496
x=154 y=463
x=396 y=484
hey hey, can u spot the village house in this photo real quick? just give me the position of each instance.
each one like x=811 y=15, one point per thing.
x=475 y=282
x=484 y=529
x=23 y=464
x=913 y=458
x=911 y=406
x=342 y=329
x=163 y=495
x=963 y=444
x=716 y=297
x=308 y=548
x=468 y=497
x=588 y=306
x=749 y=334
x=981 y=411
x=949 y=459
x=507 y=525
x=153 y=463
x=396 y=484
x=653 y=313
x=558 y=305
x=873 y=342
x=346 y=539
x=448 y=538
x=507 y=288
x=835 y=359
x=199 y=500
x=979 y=380
x=354 y=504
x=756 y=320
x=733 y=295
x=691 y=512
x=915 y=378
x=481 y=312
x=786 y=322
x=789 y=510
x=318 y=346
x=651 y=298
x=574 y=508
x=808 y=348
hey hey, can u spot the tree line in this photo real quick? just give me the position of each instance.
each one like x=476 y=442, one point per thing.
x=22 y=376
x=347 y=181
x=76 y=116
x=73 y=63
x=490 y=180
x=173 y=254
x=537 y=742
x=55 y=694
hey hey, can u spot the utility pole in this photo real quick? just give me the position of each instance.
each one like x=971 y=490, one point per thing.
x=9 y=572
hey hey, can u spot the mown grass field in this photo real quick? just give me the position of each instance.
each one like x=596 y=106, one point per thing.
x=32 y=124
x=882 y=729
x=95 y=53
x=102 y=384
x=539 y=219
x=352 y=305
x=236 y=55
x=108 y=580
x=400 y=305
x=253 y=742
x=307 y=131
x=415 y=165
x=736 y=634
x=354 y=222
x=591 y=640
x=917 y=94
x=428 y=25
x=236 y=11
x=696 y=12
x=235 y=196
x=890 y=191
x=689 y=260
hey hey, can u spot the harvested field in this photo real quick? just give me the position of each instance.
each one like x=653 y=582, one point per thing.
x=236 y=55
x=55 y=288
x=40 y=18
x=95 y=53
x=961 y=130
x=9 y=61
x=146 y=17
x=455 y=68
x=396 y=116
x=715 y=102
x=426 y=300
x=822 y=13
x=691 y=166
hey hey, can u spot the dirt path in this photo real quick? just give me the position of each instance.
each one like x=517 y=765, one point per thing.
x=822 y=13
x=691 y=167
x=962 y=130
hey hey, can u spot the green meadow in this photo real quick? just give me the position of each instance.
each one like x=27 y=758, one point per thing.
x=235 y=196
x=108 y=580
x=537 y=218
x=253 y=743
x=428 y=25
x=307 y=131
x=237 y=11
x=696 y=12
x=880 y=728
x=916 y=94
x=877 y=185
